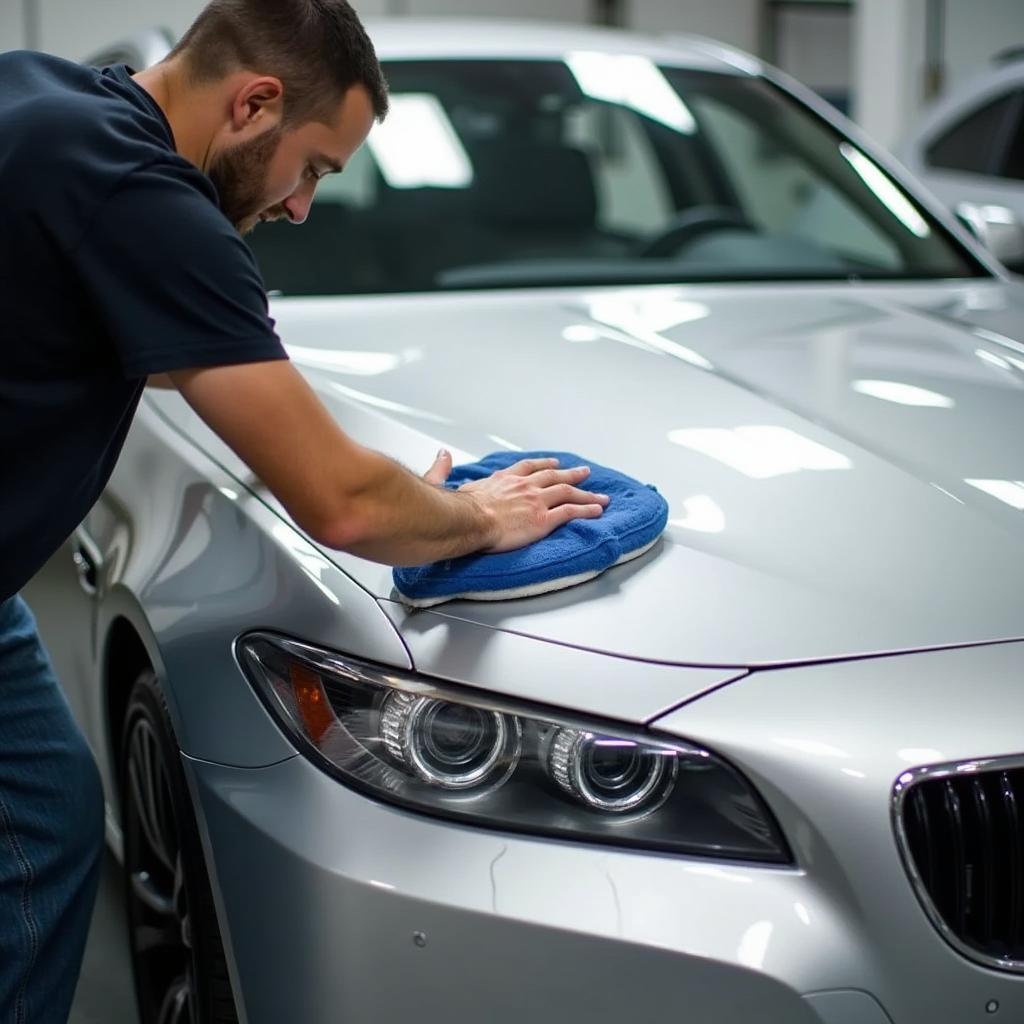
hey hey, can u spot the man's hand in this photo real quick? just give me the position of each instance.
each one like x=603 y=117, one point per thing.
x=526 y=501
x=440 y=470
x=532 y=498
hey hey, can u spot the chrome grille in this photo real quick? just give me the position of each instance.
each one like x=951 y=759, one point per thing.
x=961 y=832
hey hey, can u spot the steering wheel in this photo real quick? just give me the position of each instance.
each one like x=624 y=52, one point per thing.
x=689 y=225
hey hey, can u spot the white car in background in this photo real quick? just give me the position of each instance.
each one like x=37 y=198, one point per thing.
x=969 y=150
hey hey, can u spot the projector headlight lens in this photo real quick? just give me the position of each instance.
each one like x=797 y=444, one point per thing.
x=435 y=749
x=454 y=746
x=611 y=774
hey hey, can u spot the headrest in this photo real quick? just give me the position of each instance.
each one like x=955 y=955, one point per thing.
x=525 y=184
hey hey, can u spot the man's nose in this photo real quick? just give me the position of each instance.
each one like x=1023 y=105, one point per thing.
x=298 y=203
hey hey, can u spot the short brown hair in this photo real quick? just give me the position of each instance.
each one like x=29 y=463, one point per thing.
x=318 y=48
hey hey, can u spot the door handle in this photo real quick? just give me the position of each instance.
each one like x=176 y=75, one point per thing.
x=87 y=559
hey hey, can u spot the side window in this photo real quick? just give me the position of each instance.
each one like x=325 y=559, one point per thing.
x=1013 y=163
x=970 y=145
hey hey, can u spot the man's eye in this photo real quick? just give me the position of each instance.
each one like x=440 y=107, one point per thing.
x=311 y=172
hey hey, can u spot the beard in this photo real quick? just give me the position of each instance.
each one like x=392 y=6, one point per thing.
x=240 y=176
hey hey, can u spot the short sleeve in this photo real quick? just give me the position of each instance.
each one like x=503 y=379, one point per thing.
x=171 y=281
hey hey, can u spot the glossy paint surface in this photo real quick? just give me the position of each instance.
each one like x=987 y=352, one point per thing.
x=511 y=927
x=825 y=745
x=842 y=927
x=840 y=462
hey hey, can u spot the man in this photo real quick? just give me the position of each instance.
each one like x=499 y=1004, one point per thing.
x=121 y=259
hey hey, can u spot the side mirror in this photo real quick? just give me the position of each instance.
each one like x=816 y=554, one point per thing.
x=997 y=228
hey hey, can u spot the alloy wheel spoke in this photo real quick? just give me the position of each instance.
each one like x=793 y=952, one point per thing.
x=153 y=778
x=161 y=931
x=139 y=799
x=180 y=901
x=148 y=792
x=177 y=1005
x=164 y=938
x=149 y=893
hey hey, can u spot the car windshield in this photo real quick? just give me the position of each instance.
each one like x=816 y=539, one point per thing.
x=599 y=169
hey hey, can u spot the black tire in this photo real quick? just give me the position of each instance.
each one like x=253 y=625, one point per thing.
x=178 y=960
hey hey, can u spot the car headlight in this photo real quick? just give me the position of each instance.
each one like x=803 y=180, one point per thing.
x=439 y=750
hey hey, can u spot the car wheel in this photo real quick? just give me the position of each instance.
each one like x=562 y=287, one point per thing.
x=177 y=955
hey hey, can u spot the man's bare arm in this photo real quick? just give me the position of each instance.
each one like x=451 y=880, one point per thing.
x=350 y=497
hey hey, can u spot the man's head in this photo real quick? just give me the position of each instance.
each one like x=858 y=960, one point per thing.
x=297 y=85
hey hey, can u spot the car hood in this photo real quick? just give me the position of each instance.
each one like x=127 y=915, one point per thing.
x=844 y=465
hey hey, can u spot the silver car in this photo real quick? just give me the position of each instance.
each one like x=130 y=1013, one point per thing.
x=771 y=771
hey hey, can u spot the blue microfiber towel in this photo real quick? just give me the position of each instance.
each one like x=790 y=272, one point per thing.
x=578 y=551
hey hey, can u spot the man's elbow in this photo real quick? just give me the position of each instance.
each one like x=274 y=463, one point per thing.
x=351 y=519
x=346 y=529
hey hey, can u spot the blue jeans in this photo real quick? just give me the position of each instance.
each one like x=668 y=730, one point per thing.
x=51 y=831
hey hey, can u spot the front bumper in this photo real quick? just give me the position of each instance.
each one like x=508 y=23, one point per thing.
x=337 y=908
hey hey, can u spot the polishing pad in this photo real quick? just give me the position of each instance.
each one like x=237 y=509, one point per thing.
x=576 y=552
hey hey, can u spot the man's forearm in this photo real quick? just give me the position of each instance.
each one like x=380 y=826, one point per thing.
x=350 y=497
x=399 y=519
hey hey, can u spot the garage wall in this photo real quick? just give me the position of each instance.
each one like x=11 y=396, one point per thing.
x=889 y=62
x=737 y=22
x=71 y=28
x=975 y=32
x=890 y=55
x=813 y=43
x=547 y=10
x=12 y=26
x=75 y=30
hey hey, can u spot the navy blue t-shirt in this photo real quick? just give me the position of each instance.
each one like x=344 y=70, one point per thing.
x=115 y=262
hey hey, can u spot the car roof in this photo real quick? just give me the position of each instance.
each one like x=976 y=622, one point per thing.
x=454 y=38
x=439 y=37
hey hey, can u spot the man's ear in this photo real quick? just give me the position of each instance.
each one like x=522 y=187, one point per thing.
x=258 y=100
